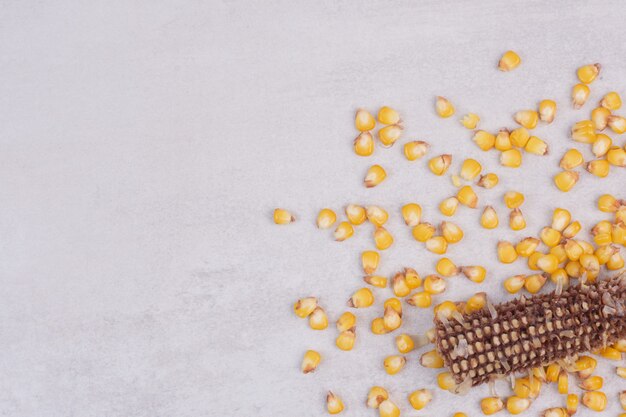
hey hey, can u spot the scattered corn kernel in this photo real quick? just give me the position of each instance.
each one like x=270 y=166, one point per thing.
x=451 y=232
x=356 y=214
x=334 y=405
x=362 y=298
x=621 y=372
x=506 y=252
x=470 y=169
x=519 y=137
x=310 y=361
x=547 y=110
x=488 y=181
x=617 y=124
x=611 y=353
x=511 y=158
x=532 y=260
x=412 y=214
x=440 y=164
x=503 y=140
x=572 y=230
x=491 y=405
x=364 y=121
x=475 y=274
x=420 y=398
x=552 y=372
x=586 y=74
x=382 y=238
x=600 y=117
x=446 y=267
x=434 y=284
x=563 y=382
x=489 y=218
x=509 y=61
x=423 y=232
x=516 y=220
x=535 y=282
x=415 y=150
x=343 y=231
x=420 y=299
x=611 y=101
x=527 y=246
x=388 y=409
x=476 y=302
x=536 y=146
x=378 y=326
x=484 y=140
x=566 y=180
x=615 y=262
x=548 y=263
x=282 y=216
x=616 y=156
x=388 y=135
x=517 y=405
x=399 y=285
x=599 y=167
x=375 y=175
x=388 y=116
x=412 y=278
x=364 y=144
x=391 y=319
x=431 y=359
x=571 y=159
x=375 y=396
x=593 y=383
x=622 y=399
x=448 y=206
x=326 y=218
x=346 y=321
x=608 y=204
x=394 y=364
x=445 y=380
x=572 y=404
x=369 y=261
x=594 y=400
x=346 y=338
x=405 y=343
x=437 y=244
x=305 y=306
x=318 y=320
x=526 y=118
x=513 y=199
x=561 y=218
x=580 y=94
x=443 y=107
x=555 y=412
x=376 y=280
x=526 y=388
x=470 y=120
x=467 y=197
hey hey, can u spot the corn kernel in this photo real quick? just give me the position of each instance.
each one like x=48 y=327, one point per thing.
x=552 y=372
x=451 y=232
x=526 y=118
x=445 y=381
x=378 y=326
x=421 y=299
x=484 y=140
x=412 y=214
x=470 y=120
x=622 y=399
x=310 y=361
x=334 y=405
x=572 y=404
x=445 y=309
x=364 y=144
x=388 y=135
x=376 y=215
x=405 y=343
x=526 y=388
x=431 y=359
x=519 y=137
x=563 y=382
x=536 y=146
x=571 y=159
x=326 y=218
x=375 y=396
x=394 y=364
x=388 y=116
x=609 y=204
x=532 y=260
x=534 y=283
x=517 y=405
x=513 y=199
x=503 y=140
x=423 y=232
x=448 y=206
x=604 y=253
x=362 y=298
x=594 y=400
x=616 y=156
x=491 y=405
x=527 y=246
x=434 y=284
x=572 y=230
x=375 y=175
x=364 y=121
x=585 y=365
x=412 y=278
x=467 y=197
x=318 y=320
x=443 y=107
x=580 y=94
x=475 y=274
x=509 y=61
x=593 y=383
x=305 y=306
x=388 y=409
x=345 y=340
x=282 y=216
x=506 y=252
x=488 y=181
x=476 y=302
x=573 y=250
x=555 y=412
x=459 y=415
x=470 y=169
x=586 y=74
x=547 y=110
x=437 y=244
x=516 y=220
x=376 y=280
x=574 y=269
x=511 y=158
x=611 y=101
x=440 y=164
x=399 y=285
x=599 y=167
x=446 y=267
x=489 y=218
x=560 y=275
x=382 y=238
x=621 y=372
x=548 y=263
x=590 y=263
x=600 y=117
x=617 y=124
x=415 y=150
x=566 y=180
x=584 y=132
x=611 y=353
x=420 y=398
x=369 y=261
x=561 y=218
x=346 y=321
x=559 y=252
x=391 y=319
x=343 y=231
x=602 y=145
x=356 y=214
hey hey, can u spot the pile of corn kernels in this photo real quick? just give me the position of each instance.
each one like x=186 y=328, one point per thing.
x=555 y=253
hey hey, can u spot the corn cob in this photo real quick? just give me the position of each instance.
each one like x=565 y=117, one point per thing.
x=526 y=333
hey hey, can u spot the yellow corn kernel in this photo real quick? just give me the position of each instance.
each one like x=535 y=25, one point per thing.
x=560 y=275
x=446 y=267
x=587 y=73
x=620 y=215
x=394 y=364
x=420 y=299
x=395 y=304
x=585 y=365
x=476 y=302
x=580 y=94
x=445 y=309
x=356 y=214
x=475 y=274
x=618 y=234
x=405 y=343
x=318 y=320
x=434 y=284
x=513 y=199
x=503 y=140
x=375 y=396
x=526 y=388
x=506 y=252
x=326 y=218
x=431 y=359
x=555 y=412
x=602 y=145
x=412 y=278
x=511 y=158
x=526 y=118
x=561 y=218
x=456 y=180
x=364 y=144
x=310 y=361
x=391 y=319
x=600 y=117
x=443 y=107
x=539 y=373
x=574 y=269
x=484 y=140
x=382 y=238
x=467 y=197
x=562 y=382
x=590 y=263
x=573 y=250
x=459 y=414
x=334 y=405
x=594 y=400
x=412 y=214
x=566 y=180
x=534 y=283
x=377 y=215
x=445 y=381
x=599 y=167
x=602 y=239
x=616 y=156
x=388 y=116
x=536 y=146
x=420 y=398
x=375 y=175
x=364 y=121
x=517 y=405
x=602 y=227
x=343 y=231
x=593 y=383
x=622 y=399
x=604 y=253
x=388 y=409
x=587 y=247
x=491 y=405
x=571 y=159
x=470 y=120
x=376 y=280
x=488 y=181
x=516 y=220
x=451 y=232
x=532 y=260
x=572 y=230
x=448 y=206
x=527 y=246
x=362 y=298
x=552 y=372
x=378 y=326
x=611 y=353
x=346 y=321
x=399 y=285
x=617 y=124
x=282 y=216
x=388 y=135
x=470 y=169
x=572 y=404
x=621 y=372
x=305 y=306
x=547 y=110
x=519 y=137
x=415 y=150
x=369 y=261
x=489 y=218
x=584 y=132
x=423 y=232
x=608 y=204
x=437 y=244
x=346 y=338
x=611 y=101
x=548 y=263
x=440 y=164
x=509 y=61
x=559 y=252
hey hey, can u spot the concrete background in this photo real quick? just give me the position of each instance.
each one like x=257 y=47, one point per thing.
x=144 y=146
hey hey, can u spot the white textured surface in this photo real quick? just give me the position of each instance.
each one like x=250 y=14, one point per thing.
x=145 y=144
